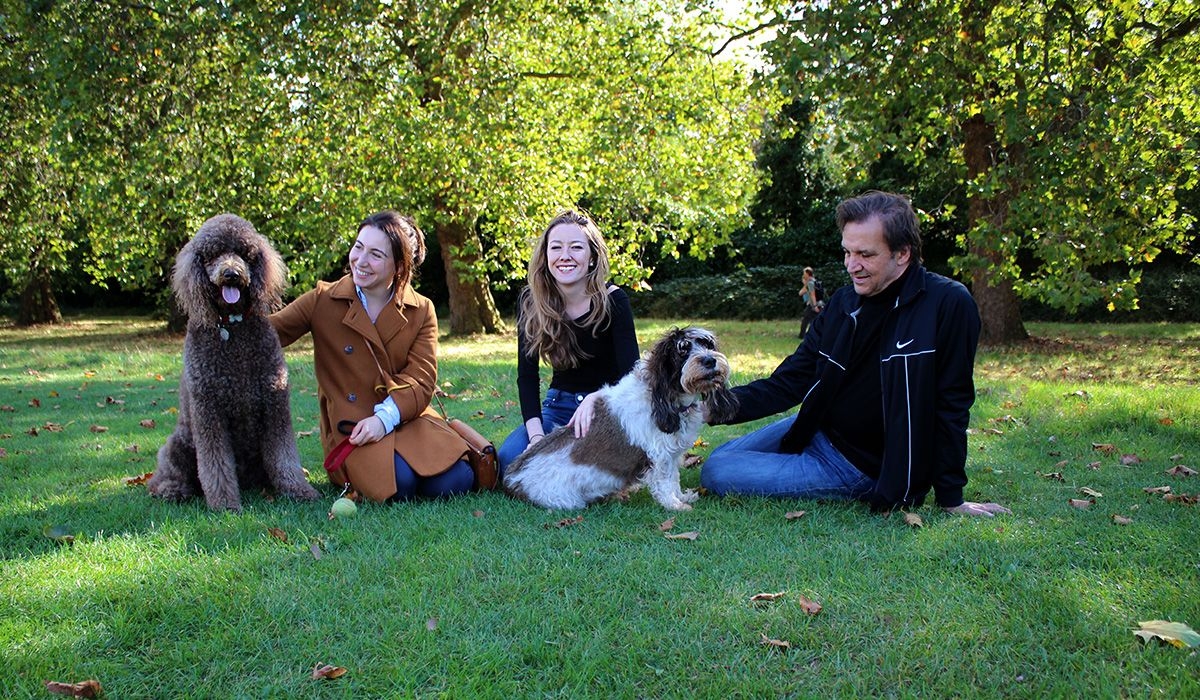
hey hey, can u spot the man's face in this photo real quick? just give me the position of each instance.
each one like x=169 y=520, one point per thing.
x=871 y=264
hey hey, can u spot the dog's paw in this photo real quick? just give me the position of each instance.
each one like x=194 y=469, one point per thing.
x=301 y=492
x=219 y=504
x=679 y=506
x=689 y=495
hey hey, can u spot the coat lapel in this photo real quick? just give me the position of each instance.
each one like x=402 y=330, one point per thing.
x=390 y=322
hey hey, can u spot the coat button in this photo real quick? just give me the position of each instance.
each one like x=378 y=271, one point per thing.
x=578 y=398
x=349 y=349
x=352 y=397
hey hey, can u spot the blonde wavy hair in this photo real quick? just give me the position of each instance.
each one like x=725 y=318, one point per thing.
x=543 y=318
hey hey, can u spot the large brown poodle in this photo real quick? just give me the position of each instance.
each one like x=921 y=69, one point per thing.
x=235 y=424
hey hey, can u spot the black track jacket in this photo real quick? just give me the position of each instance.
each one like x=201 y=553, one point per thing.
x=926 y=364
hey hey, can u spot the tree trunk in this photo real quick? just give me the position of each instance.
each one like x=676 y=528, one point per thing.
x=999 y=308
x=38 y=304
x=472 y=308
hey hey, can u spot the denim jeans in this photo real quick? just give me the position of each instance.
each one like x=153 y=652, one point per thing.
x=557 y=409
x=456 y=480
x=753 y=465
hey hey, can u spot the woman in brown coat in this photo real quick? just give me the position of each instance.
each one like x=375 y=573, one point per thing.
x=375 y=357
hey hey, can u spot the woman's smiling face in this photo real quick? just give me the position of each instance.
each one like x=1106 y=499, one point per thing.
x=568 y=254
x=371 y=262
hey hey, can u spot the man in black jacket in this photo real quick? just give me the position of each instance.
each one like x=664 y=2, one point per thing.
x=884 y=380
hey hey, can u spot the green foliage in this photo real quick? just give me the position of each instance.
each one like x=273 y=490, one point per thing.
x=483 y=596
x=135 y=122
x=1068 y=128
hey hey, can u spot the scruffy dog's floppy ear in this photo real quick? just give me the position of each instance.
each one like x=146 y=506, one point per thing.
x=663 y=367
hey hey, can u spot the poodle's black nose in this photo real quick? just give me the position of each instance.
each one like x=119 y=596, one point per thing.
x=230 y=275
x=709 y=361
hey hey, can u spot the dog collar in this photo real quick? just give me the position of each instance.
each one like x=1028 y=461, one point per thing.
x=227 y=321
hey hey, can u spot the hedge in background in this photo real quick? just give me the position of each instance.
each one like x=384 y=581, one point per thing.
x=1165 y=294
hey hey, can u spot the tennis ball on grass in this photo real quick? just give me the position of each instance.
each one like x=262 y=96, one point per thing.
x=343 y=507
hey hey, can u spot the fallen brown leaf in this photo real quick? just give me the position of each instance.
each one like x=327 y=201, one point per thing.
x=759 y=597
x=477 y=513
x=99 y=429
x=794 y=514
x=1082 y=503
x=278 y=534
x=1057 y=476
x=1175 y=458
x=138 y=480
x=431 y=624
x=1093 y=465
x=1157 y=489
x=565 y=522
x=328 y=672
x=1130 y=460
x=1121 y=519
x=683 y=536
x=1091 y=492
x=1105 y=447
x=811 y=607
x=778 y=643
x=666 y=524
x=147 y=423
x=1175 y=633
x=691 y=461
x=913 y=520
x=1181 y=470
x=84 y=689
x=1184 y=498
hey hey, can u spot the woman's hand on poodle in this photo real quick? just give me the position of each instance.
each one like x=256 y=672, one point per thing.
x=367 y=430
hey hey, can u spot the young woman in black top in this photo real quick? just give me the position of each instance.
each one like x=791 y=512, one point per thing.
x=574 y=319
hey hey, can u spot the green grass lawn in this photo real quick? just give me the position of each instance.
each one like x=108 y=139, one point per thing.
x=483 y=596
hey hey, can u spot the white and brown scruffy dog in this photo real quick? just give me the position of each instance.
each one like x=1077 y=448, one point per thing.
x=235 y=423
x=640 y=430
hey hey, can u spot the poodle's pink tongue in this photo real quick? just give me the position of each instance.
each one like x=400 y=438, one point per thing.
x=231 y=294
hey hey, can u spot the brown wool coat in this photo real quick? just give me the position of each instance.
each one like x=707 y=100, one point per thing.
x=404 y=339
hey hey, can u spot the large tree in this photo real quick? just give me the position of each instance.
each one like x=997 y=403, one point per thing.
x=480 y=118
x=486 y=117
x=1070 y=127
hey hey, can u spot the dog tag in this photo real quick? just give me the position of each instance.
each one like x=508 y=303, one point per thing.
x=224 y=334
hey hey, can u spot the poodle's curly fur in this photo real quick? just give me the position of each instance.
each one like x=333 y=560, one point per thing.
x=235 y=423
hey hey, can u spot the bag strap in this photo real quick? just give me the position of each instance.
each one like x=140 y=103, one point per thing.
x=437 y=394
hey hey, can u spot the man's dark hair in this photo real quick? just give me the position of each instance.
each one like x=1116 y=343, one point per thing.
x=895 y=212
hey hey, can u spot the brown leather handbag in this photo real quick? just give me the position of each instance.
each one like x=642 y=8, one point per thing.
x=481 y=453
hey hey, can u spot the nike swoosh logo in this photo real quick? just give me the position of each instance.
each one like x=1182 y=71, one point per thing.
x=901 y=346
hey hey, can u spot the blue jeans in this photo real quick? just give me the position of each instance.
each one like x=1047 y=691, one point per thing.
x=753 y=465
x=458 y=479
x=557 y=409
